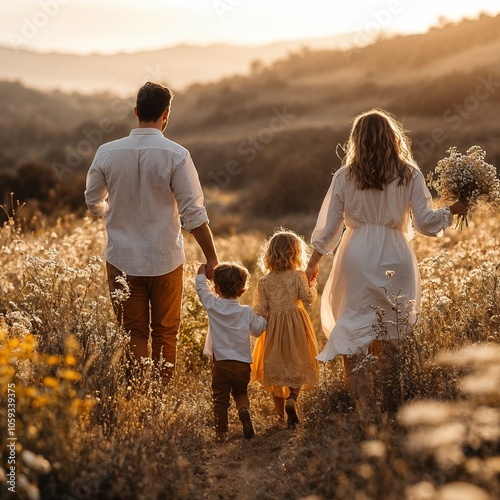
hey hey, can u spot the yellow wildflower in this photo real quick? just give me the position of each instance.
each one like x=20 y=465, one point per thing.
x=70 y=375
x=50 y=382
x=53 y=360
x=13 y=343
x=41 y=401
x=70 y=360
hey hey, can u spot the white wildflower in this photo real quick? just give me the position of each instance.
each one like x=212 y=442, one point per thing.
x=373 y=448
x=36 y=462
x=466 y=178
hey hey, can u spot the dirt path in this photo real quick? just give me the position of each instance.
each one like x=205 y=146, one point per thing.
x=249 y=470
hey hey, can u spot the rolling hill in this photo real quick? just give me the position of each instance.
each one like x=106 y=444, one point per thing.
x=271 y=136
x=177 y=66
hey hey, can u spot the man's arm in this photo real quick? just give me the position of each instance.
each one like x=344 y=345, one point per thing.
x=189 y=195
x=96 y=191
x=204 y=238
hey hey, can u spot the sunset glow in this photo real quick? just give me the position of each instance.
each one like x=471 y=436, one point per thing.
x=127 y=25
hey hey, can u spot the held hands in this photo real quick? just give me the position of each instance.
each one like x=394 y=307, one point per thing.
x=313 y=267
x=209 y=267
x=312 y=273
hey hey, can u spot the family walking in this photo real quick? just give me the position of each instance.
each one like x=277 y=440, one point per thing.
x=147 y=187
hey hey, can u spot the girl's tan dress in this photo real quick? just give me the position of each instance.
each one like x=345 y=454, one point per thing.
x=285 y=354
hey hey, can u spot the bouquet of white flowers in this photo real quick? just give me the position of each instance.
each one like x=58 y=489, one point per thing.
x=466 y=178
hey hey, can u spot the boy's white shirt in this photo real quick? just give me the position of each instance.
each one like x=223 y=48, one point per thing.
x=230 y=325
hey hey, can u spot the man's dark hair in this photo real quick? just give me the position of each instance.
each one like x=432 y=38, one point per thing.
x=231 y=279
x=152 y=100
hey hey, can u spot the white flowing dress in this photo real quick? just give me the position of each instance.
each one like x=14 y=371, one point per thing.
x=376 y=240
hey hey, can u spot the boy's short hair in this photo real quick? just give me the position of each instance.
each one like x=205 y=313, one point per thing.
x=152 y=100
x=231 y=279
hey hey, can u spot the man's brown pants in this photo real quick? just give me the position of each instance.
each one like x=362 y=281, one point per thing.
x=153 y=308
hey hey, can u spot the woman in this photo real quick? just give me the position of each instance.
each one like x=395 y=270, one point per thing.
x=372 y=194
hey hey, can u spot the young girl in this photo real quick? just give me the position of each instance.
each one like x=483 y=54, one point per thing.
x=284 y=358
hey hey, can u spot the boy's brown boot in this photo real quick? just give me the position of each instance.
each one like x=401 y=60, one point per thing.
x=244 y=415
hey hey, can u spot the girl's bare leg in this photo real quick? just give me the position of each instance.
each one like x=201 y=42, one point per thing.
x=279 y=406
x=290 y=407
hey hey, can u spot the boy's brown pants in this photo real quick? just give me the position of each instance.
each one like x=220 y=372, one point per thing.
x=229 y=378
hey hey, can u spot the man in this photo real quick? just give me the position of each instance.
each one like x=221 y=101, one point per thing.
x=147 y=187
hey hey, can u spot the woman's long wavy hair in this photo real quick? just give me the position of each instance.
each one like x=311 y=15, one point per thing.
x=378 y=150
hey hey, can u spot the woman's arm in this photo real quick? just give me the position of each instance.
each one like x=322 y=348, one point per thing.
x=330 y=224
x=313 y=266
x=426 y=219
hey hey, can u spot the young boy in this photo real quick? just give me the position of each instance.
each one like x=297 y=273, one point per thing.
x=228 y=342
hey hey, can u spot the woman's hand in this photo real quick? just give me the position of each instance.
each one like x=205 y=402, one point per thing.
x=312 y=272
x=458 y=208
x=312 y=267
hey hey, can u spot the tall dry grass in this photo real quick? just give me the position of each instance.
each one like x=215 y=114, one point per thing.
x=82 y=432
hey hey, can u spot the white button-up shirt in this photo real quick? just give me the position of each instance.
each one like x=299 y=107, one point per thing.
x=147 y=187
x=230 y=325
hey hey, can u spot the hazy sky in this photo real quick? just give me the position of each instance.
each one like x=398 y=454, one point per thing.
x=108 y=26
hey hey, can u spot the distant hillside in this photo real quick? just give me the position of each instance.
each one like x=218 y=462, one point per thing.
x=177 y=66
x=271 y=136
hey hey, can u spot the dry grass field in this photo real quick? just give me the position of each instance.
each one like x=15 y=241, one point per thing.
x=81 y=433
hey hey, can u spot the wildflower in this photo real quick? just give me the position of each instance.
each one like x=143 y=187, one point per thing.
x=460 y=490
x=36 y=462
x=431 y=439
x=424 y=490
x=71 y=375
x=428 y=412
x=70 y=360
x=466 y=178
x=30 y=491
x=471 y=356
x=50 y=382
x=41 y=401
x=373 y=448
x=485 y=383
x=53 y=360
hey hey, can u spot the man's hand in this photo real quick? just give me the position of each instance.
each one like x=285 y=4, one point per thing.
x=202 y=269
x=204 y=238
x=209 y=268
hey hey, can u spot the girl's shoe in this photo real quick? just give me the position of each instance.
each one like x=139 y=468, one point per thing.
x=291 y=411
x=244 y=415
